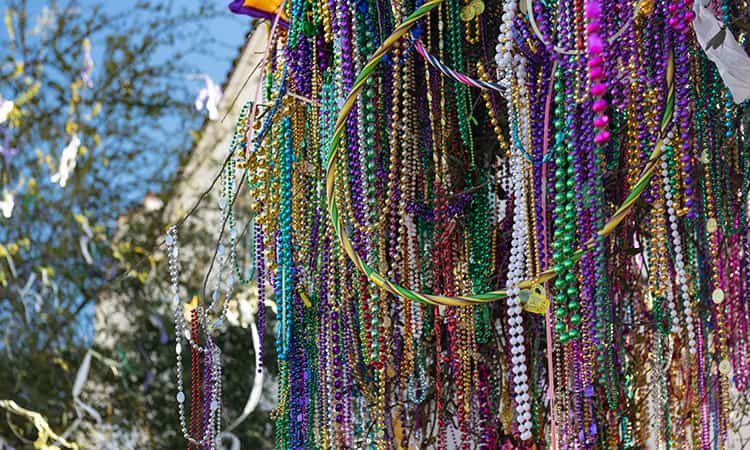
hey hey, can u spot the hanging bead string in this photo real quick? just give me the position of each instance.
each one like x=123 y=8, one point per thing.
x=202 y=432
x=376 y=277
x=600 y=186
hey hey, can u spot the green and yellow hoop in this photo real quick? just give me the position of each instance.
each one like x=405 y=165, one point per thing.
x=487 y=297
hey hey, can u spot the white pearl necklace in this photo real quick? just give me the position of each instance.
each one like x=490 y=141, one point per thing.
x=681 y=276
x=516 y=274
x=503 y=58
x=509 y=66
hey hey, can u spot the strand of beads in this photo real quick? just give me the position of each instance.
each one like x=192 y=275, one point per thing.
x=680 y=274
x=516 y=273
x=579 y=128
x=564 y=223
x=211 y=394
x=203 y=432
x=517 y=268
x=596 y=70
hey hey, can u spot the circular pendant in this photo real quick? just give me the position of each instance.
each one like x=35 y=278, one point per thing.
x=478 y=6
x=467 y=13
x=711 y=225
x=717 y=295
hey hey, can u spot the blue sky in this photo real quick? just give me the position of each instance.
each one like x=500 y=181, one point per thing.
x=229 y=29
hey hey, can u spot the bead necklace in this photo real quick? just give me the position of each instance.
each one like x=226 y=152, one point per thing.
x=201 y=433
x=592 y=180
